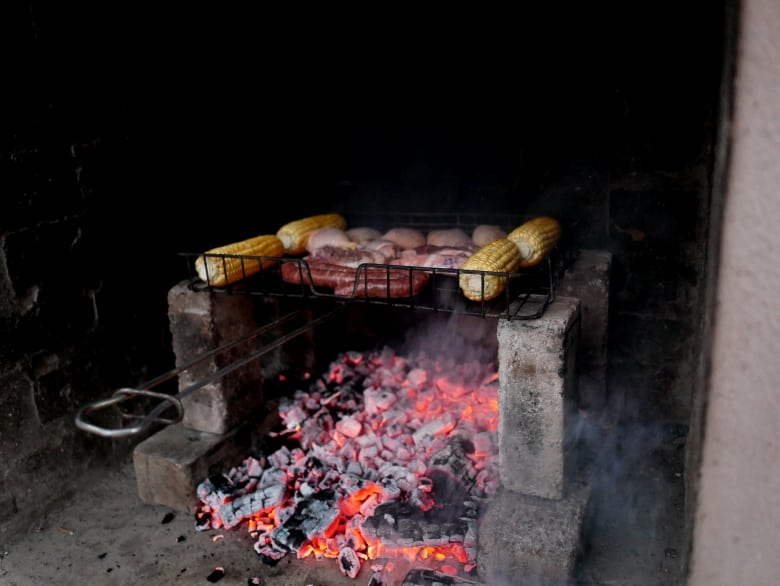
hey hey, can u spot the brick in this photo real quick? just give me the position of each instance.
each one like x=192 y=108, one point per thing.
x=171 y=463
x=537 y=399
x=201 y=321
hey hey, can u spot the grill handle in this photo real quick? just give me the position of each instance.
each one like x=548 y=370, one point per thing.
x=168 y=401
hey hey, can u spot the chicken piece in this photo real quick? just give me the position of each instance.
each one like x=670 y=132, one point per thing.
x=329 y=236
x=406 y=238
x=388 y=249
x=442 y=257
x=363 y=234
x=487 y=233
x=450 y=237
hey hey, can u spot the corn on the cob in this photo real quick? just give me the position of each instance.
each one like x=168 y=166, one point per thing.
x=535 y=239
x=294 y=235
x=502 y=256
x=222 y=270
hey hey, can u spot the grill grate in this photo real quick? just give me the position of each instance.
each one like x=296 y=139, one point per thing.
x=526 y=295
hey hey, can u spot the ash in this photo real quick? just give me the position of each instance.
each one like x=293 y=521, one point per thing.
x=386 y=456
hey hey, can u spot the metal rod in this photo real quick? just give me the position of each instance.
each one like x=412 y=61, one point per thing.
x=154 y=417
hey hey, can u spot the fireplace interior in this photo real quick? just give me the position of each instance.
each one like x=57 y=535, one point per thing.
x=121 y=176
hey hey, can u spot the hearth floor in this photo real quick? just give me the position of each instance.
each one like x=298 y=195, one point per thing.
x=107 y=536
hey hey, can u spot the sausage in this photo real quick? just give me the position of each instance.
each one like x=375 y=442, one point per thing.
x=371 y=281
x=379 y=282
x=323 y=274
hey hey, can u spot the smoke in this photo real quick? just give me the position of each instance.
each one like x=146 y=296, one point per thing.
x=454 y=337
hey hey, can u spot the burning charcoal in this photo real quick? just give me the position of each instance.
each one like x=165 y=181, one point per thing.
x=349 y=426
x=390 y=490
x=434 y=578
x=378 y=400
x=306 y=490
x=409 y=532
x=202 y=521
x=254 y=468
x=484 y=442
x=214 y=490
x=216 y=575
x=417 y=378
x=349 y=562
x=280 y=458
x=437 y=427
x=368 y=454
x=235 y=511
x=432 y=534
x=289 y=538
x=271 y=477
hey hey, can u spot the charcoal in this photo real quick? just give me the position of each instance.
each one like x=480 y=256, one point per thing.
x=216 y=575
x=202 y=521
x=235 y=511
x=349 y=562
x=433 y=578
x=289 y=538
x=169 y=516
x=431 y=476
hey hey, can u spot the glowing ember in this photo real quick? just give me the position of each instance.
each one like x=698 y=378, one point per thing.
x=392 y=459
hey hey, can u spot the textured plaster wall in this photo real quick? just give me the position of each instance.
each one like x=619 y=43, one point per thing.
x=737 y=521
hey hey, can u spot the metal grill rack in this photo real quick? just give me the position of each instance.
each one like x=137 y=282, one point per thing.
x=527 y=294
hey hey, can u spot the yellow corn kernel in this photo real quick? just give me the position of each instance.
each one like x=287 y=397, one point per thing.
x=295 y=235
x=221 y=270
x=536 y=239
x=500 y=256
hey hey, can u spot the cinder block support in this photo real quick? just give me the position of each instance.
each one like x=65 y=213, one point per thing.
x=588 y=280
x=537 y=399
x=528 y=540
x=201 y=321
x=170 y=464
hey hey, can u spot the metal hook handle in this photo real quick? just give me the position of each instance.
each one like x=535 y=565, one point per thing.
x=146 y=421
x=168 y=401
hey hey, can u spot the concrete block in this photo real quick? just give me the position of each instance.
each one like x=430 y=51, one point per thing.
x=171 y=463
x=201 y=321
x=537 y=399
x=588 y=280
x=528 y=540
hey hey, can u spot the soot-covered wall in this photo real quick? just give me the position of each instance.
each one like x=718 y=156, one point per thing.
x=136 y=133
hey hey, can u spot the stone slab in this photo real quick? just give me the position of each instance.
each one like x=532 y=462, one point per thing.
x=537 y=399
x=171 y=463
x=530 y=540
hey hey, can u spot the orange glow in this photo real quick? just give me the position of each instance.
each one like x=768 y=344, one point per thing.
x=350 y=506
